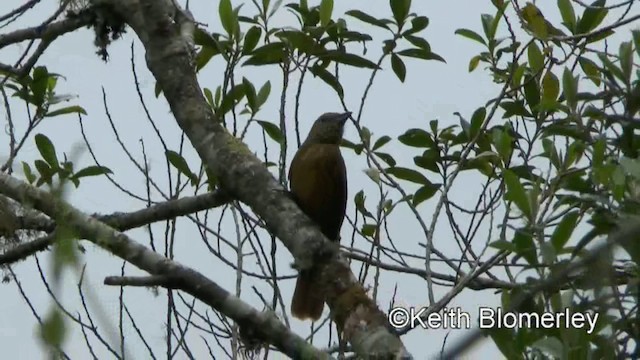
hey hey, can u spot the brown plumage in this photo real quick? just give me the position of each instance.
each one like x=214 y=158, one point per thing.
x=318 y=181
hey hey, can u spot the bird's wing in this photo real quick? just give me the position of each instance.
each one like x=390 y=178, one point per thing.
x=318 y=180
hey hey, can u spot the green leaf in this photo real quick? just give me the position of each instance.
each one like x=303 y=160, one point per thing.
x=464 y=124
x=518 y=74
x=326 y=8
x=428 y=160
x=408 y=175
x=93 y=170
x=368 y=230
x=357 y=148
x=574 y=154
x=550 y=345
x=421 y=54
x=416 y=138
x=351 y=36
x=425 y=193
x=503 y=339
x=590 y=69
x=250 y=93
x=212 y=179
x=273 y=53
x=503 y=245
x=631 y=167
x=418 y=24
x=364 y=17
x=600 y=35
x=470 y=34
x=67 y=110
x=365 y=135
x=531 y=93
x=517 y=193
x=38 y=85
x=348 y=59
x=550 y=87
x=503 y=142
x=380 y=142
x=251 y=39
x=419 y=42
x=359 y=201
x=227 y=17
x=636 y=40
x=630 y=246
x=626 y=60
x=551 y=153
x=488 y=22
x=217 y=98
x=328 y=78
x=526 y=172
x=231 y=99
x=272 y=130
x=64 y=251
x=568 y=15
x=570 y=88
x=400 y=9
x=476 y=121
x=47 y=150
x=535 y=21
x=592 y=17
x=53 y=330
x=433 y=124
x=28 y=173
x=301 y=41
x=536 y=59
x=386 y=158
x=525 y=246
x=512 y=108
x=473 y=63
x=398 y=67
x=181 y=165
x=204 y=55
x=205 y=39
x=263 y=94
x=611 y=67
x=53 y=99
x=46 y=173
x=563 y=231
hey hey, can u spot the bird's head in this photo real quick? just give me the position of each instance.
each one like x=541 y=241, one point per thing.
x=328 y=128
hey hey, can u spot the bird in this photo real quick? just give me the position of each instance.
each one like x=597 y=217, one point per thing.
x=318 y=184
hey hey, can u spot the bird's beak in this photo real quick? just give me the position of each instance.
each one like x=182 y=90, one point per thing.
x=342 y=118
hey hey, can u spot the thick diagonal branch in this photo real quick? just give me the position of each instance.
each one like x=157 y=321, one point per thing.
x=170 y=58
x=264 y=324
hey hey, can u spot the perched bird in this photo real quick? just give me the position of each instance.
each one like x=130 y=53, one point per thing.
x=318 y=181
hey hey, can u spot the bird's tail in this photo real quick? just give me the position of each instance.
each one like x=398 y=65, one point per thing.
x=307 y=301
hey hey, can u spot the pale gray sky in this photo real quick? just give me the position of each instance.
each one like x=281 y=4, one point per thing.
x=433 y=90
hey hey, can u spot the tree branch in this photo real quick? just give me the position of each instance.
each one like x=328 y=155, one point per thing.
x=627 y=233
x=120 y=221
x=264 y=324
x=146 y=281
x=27 y=249
x=170 y=58
x=50 y=31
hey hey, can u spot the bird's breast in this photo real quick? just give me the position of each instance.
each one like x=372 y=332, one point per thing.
x=318 y=182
